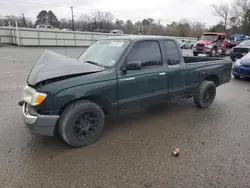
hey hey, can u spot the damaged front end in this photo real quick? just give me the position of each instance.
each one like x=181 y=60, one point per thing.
x=52 y=67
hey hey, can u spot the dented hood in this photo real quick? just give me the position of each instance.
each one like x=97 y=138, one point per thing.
x=54 y=65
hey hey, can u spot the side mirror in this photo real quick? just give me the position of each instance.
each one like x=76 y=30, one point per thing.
x=133 y=65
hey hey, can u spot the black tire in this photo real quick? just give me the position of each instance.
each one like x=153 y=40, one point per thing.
x=236 y=76
x=205 y=94
x=232 y=58
x=213 y=52
x=81 y=123
x=195 y=53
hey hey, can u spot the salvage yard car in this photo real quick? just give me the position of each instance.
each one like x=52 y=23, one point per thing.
x=240 y=50
x=211 y=44
x=241 y=67
x=112 y=77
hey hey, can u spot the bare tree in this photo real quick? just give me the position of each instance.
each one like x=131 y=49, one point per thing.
x=102 y=19
x=241 y=11
x=234 y=23
x=240 y=8
x=222 y=11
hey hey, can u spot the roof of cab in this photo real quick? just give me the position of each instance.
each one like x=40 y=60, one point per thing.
x=139 y=37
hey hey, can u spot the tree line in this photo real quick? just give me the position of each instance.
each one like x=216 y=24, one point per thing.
x=235 y=18
x=106 y=21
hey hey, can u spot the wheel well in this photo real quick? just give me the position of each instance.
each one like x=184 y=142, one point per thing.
x=100 y=101
x=213 y=78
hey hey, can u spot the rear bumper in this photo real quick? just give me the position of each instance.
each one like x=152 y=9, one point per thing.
x=40 y=124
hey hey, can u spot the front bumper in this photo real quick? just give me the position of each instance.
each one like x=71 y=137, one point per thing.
x=43 y=125
x=241 y=71
x=202 y=50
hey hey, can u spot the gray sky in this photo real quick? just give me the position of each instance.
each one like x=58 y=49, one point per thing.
x=164 y=10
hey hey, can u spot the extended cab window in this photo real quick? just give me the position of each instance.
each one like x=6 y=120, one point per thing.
x=147 y=52
x=171 y=52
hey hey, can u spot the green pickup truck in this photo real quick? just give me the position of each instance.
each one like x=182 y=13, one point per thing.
x=113 y=76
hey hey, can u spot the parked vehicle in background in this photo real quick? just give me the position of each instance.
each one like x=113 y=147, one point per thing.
x=190 y=44
x=241 y=50
x=44 y=26
x=82 y=30
x=101 y=31
x=186 y=44
x=229 y=44
x=66 y=29
x=183 y=44
x=236 y=39
x=241 y=67
x=112 y=77
x=211 y=43
x=119 y=31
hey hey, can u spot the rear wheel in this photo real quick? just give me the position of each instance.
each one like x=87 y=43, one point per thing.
x=81 y=123
x=195 y=53
x=205 y=94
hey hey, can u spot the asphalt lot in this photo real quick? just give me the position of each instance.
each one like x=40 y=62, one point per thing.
x=135 y=151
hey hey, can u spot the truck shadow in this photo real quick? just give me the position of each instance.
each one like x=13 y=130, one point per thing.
x=156 y=114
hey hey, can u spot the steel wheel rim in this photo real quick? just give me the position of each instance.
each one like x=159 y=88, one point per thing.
x=209 y=96
x=85 y=125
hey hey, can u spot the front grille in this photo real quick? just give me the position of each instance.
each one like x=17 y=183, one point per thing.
x=241 y=50
x=200 y=45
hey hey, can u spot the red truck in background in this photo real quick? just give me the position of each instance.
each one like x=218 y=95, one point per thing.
x=211 y=43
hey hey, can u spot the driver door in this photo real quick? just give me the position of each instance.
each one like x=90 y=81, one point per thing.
x=139 y=88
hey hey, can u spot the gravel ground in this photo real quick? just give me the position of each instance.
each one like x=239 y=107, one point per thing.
x=135 y=151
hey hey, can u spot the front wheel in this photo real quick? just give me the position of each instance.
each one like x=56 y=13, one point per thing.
x=81 y=123
x=213 y=52
x=205 y=94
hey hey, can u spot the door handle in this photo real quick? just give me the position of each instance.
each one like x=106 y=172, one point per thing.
x=127 y=79
x=162 y=74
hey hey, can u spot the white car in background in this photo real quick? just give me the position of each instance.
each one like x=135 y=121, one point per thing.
x=46 y=26
x=186 y=44
x=119 y=31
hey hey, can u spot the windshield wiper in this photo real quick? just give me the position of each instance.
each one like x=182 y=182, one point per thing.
x=94 y=63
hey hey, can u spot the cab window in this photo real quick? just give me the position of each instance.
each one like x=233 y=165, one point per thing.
x=147 y=52
x=171 y=52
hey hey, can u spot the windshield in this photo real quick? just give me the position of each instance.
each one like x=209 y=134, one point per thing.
x=245 y=43
x=209 y=37
x=105 y=52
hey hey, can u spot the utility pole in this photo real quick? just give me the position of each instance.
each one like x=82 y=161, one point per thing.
x=73 y=22
x=24 y=21
x=95 y=23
